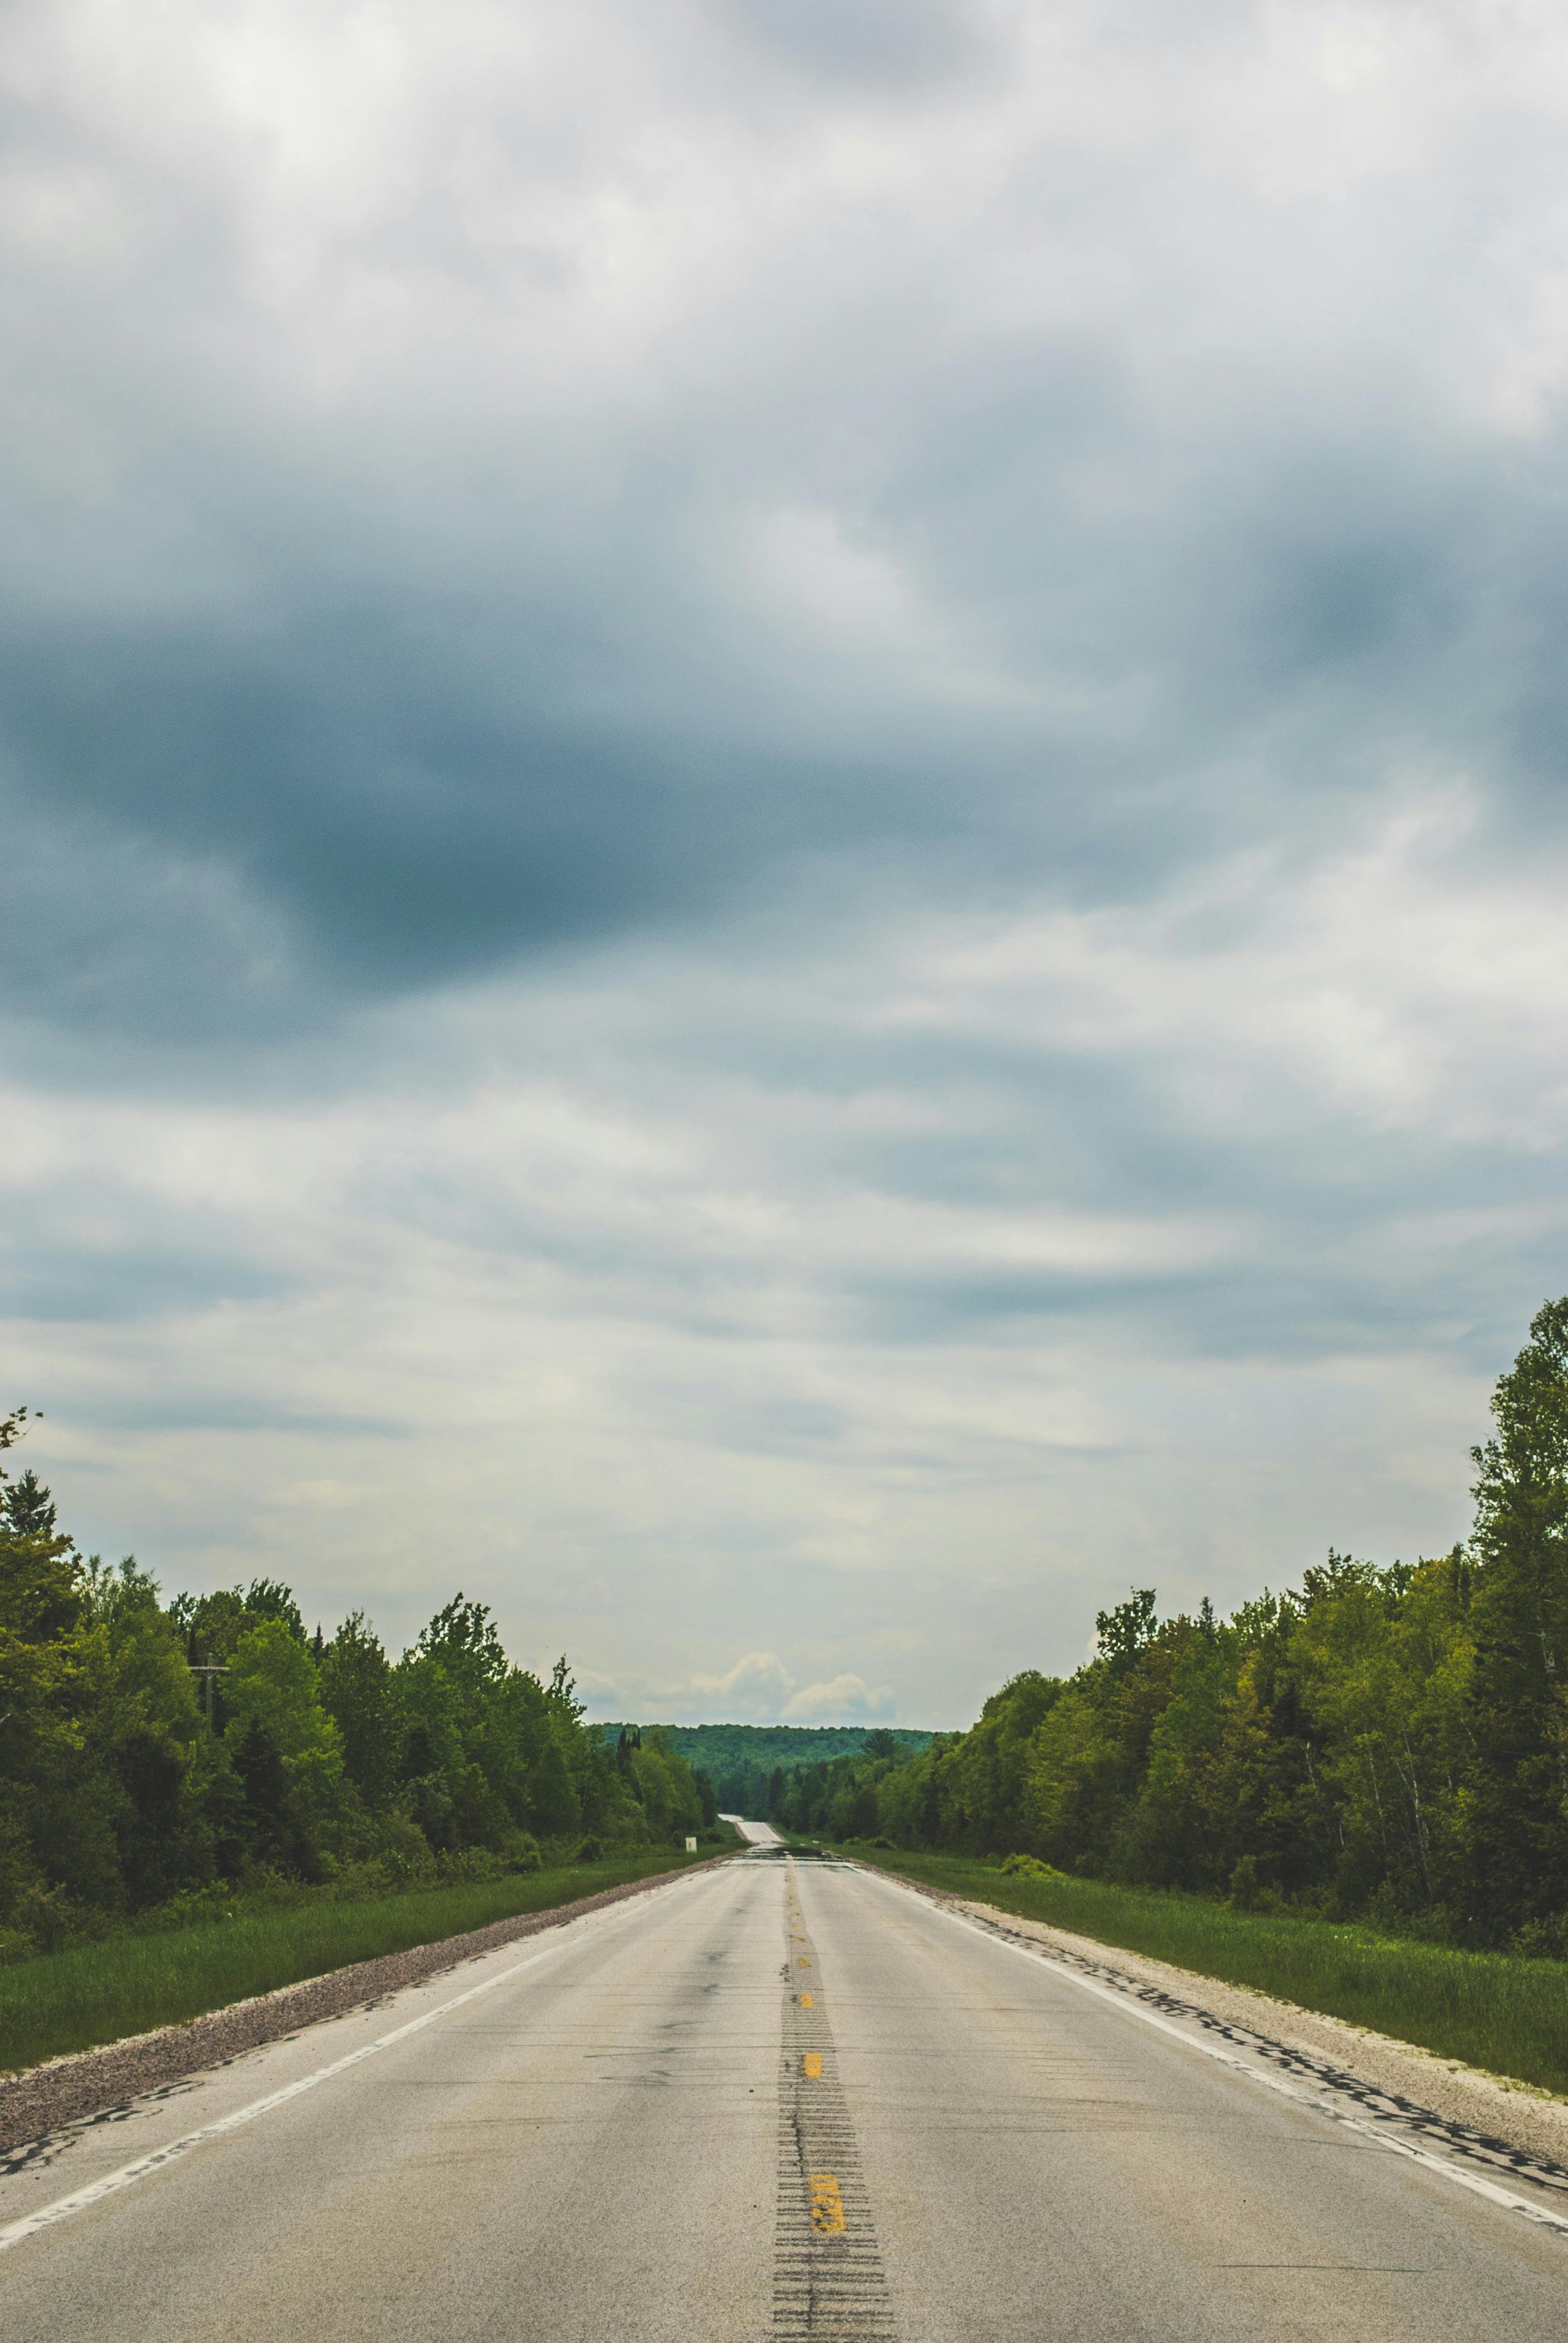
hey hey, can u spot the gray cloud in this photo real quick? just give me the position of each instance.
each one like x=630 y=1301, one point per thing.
x=982 y=532
x=808 y=794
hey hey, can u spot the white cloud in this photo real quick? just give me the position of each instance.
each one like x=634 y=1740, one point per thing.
x=845 y=1701
x=758 y=1687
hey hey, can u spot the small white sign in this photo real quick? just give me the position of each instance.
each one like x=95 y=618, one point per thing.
x=692 y=1847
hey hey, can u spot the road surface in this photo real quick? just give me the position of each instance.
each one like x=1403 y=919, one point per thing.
x=776 y=2099
x=754 y=1834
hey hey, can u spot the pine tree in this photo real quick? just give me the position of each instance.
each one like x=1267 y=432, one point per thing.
x=27 y=1508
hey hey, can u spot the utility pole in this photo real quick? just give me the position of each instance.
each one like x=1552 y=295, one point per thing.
x=206 y=1672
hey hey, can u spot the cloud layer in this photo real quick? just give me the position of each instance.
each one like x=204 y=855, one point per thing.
x=783 y=830
x=759 y=1687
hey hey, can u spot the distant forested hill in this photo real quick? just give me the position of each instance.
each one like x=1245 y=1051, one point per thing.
x=748 y=1769
x=719 y=1749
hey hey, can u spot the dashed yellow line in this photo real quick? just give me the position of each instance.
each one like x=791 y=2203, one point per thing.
x=807 y=2000
x=812 y=2066
x=827 y=2204
x=801 y=1962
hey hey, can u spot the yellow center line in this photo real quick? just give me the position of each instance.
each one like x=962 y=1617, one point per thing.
x=807 y=2000
x=802 y=1962
x=827 y=2204
x=812 y=2066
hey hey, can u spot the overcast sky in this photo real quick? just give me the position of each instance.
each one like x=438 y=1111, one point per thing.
x=784 y=826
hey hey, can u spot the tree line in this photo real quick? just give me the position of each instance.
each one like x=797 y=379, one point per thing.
x=751 y=1764
x=156 y=1755
x=1388 y=1744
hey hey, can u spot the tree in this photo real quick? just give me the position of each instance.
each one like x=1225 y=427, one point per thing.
x=59 y=1799
x=1123 y=1634
x=563 y=1691
x=28 y=1508
x=272 y=1814
x=556 y=1812
x=269 y=1598
x=356 y=1680
x=462 y=1636
x=707 y=1796
x=145 y=1729
x=271 y=1692
x=1516 y=1789
x=273 y=1677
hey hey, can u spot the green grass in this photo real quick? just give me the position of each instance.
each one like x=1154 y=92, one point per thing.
x=1488 y=2009
x=98 y=1993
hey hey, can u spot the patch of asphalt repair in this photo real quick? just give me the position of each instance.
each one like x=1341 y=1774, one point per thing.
x=828 y=2277
x=1237 y=2017
x=46 y=2107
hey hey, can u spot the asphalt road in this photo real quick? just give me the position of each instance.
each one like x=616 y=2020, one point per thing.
x=775 y=2100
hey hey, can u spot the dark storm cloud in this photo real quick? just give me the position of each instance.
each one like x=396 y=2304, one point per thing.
x=396 y=825
x=468 y=693
x=380 y=814
x=406 y=794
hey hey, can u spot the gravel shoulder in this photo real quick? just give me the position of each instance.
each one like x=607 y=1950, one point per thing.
x=92 y=2082
x=1524 y=2118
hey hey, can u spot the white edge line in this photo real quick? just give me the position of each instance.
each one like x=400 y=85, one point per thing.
x=1132 y=2007
x=47 y=2218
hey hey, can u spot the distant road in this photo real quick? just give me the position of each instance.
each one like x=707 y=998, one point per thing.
x=754 y=1834
x=775 y=2100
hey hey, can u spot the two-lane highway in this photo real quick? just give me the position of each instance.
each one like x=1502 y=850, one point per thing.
x=776 y=2099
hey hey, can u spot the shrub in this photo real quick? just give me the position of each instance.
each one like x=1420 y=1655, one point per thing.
x=1023 y=1866
x=520 y=1851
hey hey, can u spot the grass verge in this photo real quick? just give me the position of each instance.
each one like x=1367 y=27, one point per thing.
x=99 y=1993
x=1509 y=2017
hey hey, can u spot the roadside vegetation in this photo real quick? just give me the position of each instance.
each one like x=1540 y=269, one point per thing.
x=1380 y=1751
x=1373 y=1763
x=146 y=1977
x=1490 y=2009
x=751 y=1764
x=163 y=1761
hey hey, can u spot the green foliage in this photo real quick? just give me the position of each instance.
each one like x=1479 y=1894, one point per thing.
x=1384 y=1745
x=356 y=1691
x=153 y=1754
x=1516 y=1820
x=749 y=1765
x=1387 y=1746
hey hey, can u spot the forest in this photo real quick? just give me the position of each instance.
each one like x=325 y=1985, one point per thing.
x=749 y=1765
x=1388 y=1744
x=156 y=1757
x=1379 y=1744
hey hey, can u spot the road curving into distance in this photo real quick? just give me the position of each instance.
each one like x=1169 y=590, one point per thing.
x=778 y=2100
